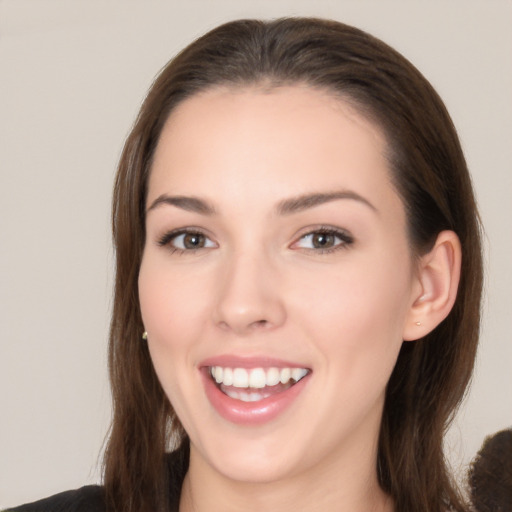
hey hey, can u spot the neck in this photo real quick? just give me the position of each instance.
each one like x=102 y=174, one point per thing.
x=329 y=487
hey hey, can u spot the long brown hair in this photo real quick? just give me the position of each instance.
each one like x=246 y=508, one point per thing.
x=428 y=170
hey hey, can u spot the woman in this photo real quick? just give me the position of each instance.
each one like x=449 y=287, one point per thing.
x=297 y=238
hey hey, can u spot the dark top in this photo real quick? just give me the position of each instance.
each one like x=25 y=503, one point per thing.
x=86 y=499
x=91 y=498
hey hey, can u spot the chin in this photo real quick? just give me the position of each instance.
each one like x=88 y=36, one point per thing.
x=255 y=470
x=248 y=462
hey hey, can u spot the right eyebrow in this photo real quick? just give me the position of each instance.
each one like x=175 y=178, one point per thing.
x=188 y=203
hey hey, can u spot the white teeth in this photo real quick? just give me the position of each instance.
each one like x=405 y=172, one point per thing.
x=240 y=378
x=298 y=373
x=243 y=396
x=256 y=378
x=273 y=376
x=286 y=374
x=218 y=374
x=228 y=377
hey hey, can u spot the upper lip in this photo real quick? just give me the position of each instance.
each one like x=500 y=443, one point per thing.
x=249 y=362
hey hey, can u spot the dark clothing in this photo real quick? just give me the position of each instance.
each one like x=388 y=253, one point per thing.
x=91 y=498
x=86 y=499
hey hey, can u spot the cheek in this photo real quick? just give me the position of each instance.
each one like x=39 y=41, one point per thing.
x=171 y=308
x=356 y=314
x=172 y=302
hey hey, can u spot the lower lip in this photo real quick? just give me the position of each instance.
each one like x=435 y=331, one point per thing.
x=251 y=413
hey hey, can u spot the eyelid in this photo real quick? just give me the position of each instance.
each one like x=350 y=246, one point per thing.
x=342 y=234
x=169 y=236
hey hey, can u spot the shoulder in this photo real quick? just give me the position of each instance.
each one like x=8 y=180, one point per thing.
x=86 y=499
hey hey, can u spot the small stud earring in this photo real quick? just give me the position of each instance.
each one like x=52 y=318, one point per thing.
x=145 y=335
x=417 y=323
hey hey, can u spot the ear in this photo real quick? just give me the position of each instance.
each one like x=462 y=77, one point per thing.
x=435 y=290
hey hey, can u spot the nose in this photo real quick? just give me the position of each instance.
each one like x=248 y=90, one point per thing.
x=250 y=296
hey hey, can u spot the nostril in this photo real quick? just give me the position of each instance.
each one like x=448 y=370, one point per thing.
x=259 y=323
x=223 y=325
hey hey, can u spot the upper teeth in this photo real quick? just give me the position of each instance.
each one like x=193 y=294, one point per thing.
x=255 y=377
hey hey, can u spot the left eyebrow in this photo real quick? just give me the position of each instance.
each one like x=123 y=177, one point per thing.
x=306 y=201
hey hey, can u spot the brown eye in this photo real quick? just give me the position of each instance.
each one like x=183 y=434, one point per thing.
x=183 y=241
x=193 y=240
x=323 y=240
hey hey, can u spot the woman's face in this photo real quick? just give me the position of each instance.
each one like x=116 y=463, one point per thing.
x=276 y=248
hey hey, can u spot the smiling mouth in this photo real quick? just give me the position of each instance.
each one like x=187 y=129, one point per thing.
x=253 y=385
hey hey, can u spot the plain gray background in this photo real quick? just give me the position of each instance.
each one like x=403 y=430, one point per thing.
x=72 y=76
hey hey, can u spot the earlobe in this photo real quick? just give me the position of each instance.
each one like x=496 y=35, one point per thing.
x=436 y=290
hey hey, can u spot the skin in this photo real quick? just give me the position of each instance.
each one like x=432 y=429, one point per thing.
x=259 y=287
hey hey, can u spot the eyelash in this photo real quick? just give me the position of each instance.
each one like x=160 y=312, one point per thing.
x=167 y=238
x=344 y=236
x=345 y=239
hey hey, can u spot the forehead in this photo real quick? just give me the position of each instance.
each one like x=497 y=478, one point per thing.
x=267 y=144
x=277 y=105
